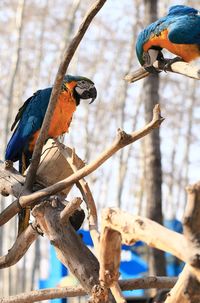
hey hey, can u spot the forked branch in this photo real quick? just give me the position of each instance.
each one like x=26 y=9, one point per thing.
x=123 y=139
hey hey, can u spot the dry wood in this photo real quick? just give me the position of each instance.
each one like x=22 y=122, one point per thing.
x=19 y=248
x=74 y=161
x=191 y=222
x=11 y=181
x=187 y=287
x=110 y=253
x=181 y=67
x=54 y=166
x=62 y=292
x=122 y=140
x=135 y=228
x=68 y=54
x=69 y=247
x=69 y=209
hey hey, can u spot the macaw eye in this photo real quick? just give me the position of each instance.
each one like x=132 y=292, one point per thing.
x=83 y=84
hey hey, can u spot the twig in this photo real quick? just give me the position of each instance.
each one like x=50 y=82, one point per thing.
x=183 y=68
x=68 y=54
x=19 y=248
x=62 y=292
x=122 y=140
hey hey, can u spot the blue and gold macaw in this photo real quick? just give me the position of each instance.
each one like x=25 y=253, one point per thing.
x=29 y=120
x=178 y=32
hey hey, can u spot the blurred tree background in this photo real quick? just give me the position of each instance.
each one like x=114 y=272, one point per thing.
x=33 y=35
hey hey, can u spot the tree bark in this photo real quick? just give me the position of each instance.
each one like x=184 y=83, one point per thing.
x=153 y=155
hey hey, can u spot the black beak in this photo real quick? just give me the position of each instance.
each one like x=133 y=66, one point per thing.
x=90 y=94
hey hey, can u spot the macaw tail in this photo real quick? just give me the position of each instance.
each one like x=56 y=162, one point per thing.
x=24 y=214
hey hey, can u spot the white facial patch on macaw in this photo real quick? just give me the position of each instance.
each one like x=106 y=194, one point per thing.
x=153 y=54
x=83 y=86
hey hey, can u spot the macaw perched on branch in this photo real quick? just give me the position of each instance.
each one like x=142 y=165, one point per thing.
x=29 y=120
x=178 y=32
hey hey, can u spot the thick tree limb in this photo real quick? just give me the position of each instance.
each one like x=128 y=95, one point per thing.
x=110 y=255
x=187 y=287
x=135 y=228
x=62 y=292
x=74 y=162
x=68 y=54
x=183 y=68
x=122 y=140
x=69 y=247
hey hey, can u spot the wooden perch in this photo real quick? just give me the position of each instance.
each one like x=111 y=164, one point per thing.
x=122 y=140
x=68 y=54
x=110 y=253
x=69 y=247
x=183 y=68
x=20 y=247
x=74 y=161
x=78 y=291
x=187 y=287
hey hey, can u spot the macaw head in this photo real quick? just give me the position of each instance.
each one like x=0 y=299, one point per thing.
x=82 y=87
x=146 y=58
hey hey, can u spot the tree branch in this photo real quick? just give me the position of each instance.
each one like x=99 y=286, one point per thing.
x=135 y=228
x=68 y=54
x=20 y=247
x=69 y=209
x=122 y=140
x=63 y=292
x=183 y=68
x=74 y=161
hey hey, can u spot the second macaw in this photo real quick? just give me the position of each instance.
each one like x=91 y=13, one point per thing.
x=178 y=32
x=29 y=120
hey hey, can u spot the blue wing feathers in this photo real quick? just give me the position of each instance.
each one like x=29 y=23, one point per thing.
x=29 y=119
x=185 y=30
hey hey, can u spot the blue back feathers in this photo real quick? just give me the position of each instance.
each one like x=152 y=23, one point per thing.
x=183 y=24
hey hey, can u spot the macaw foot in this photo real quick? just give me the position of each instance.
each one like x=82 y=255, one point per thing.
x=8 y=164
x=151 y=69
x=169 y=62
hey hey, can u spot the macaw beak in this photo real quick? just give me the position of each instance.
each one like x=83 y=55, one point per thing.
x=89 y=94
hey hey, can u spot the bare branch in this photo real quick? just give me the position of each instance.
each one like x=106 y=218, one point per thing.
x=62 y=292
x=20 y=247
x=135 y=228
x=68 y=54
x=122 y=140
x=110 y=253
x=181 y=67
x=74 y=162
x=69 y=247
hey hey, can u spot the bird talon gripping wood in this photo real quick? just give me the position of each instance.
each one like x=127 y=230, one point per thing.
x=29 y=120
x=178 y=32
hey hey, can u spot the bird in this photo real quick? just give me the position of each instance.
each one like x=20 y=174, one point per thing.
x=178 y=32
x=28 y=122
